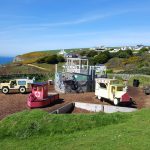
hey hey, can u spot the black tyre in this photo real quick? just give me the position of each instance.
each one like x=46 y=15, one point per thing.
x=5 y=90
x=147 y=93
x=22 y=90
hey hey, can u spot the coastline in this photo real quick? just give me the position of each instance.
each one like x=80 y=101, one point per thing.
x=6 y=60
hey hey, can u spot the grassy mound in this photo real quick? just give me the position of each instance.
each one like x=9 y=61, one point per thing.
x=38 y=130
x=29 y=123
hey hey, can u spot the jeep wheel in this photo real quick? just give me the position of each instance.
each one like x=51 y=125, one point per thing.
x=116 y=101
x=5 y=90
x=22 y=90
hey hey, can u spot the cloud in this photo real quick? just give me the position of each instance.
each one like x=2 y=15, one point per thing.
x=79 y=21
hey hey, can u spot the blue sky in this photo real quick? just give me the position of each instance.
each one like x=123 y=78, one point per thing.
x=29 y=25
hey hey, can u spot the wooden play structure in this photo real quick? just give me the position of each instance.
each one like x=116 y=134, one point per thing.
x=40 y=97
x=77 y=76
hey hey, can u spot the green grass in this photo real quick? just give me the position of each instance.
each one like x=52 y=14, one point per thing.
x=38 y=54
x=50 y=67
x=39 y=130
x=144 y=80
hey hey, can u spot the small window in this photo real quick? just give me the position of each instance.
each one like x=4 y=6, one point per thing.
x=21 y=82
x=103 y=85
x=119 y=88
x=13 y=82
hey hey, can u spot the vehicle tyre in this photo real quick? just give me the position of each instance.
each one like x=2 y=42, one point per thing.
x=22 y=90
x=5 y=90
x=116 y=101
x=147 y=93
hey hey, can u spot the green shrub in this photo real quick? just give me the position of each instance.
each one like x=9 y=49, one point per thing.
x=52 y=59
x=109 y=71
x=101 y=58
x=92 y=53
x=143 y=50
x=60 y=58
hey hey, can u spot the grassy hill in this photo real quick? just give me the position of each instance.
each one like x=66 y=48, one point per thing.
x=131 y=65
x=33 y=56
x=39 y=130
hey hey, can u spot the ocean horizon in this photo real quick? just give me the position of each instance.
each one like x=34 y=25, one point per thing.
x=5 y=60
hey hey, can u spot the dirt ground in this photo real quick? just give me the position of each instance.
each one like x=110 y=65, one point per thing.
x=12 y=103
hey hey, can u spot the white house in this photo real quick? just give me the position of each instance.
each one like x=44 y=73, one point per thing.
x=100 y=48
x=115 y=50
x=126 y=48
x=62 y=52
x=138 y=47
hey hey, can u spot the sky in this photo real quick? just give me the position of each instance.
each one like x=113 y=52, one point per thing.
x=34 y=25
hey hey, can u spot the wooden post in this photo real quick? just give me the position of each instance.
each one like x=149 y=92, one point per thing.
x=55 y=68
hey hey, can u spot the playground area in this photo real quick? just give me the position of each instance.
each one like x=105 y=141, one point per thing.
x=12 y=103
x=78 y=82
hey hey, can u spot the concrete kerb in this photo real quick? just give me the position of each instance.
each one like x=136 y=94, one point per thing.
x=65 y=109
x=92 y=108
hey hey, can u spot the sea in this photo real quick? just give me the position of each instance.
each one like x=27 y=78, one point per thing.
x=5 y=60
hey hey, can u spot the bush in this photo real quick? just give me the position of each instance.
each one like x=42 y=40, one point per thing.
x=60 y=58
x=101 y=58
x=51 y=59
x=92 y=61
x=129 y=52
x=123 y=54
x=83 y=53
x=143 y=50
x=41 y=60
x=109 y=71
x=92 y=53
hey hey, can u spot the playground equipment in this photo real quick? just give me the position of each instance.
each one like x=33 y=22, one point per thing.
x=17 y=84
x=111 y=89
x=40 y=97
x=77 y=76
x=147 y=89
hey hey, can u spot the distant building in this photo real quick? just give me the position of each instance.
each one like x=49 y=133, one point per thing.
x=115 y=50
x=138 y=47
x=71 y=55
x=100 y=48
x=126 y=48
x=92 y=48
x=62 y=52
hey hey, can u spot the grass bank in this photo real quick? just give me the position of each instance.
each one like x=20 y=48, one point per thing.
x=39 y=130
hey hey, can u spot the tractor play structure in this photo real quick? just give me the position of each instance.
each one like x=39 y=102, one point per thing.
x=40 y=97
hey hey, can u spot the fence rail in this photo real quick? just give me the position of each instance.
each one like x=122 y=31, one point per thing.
x=128 y=76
